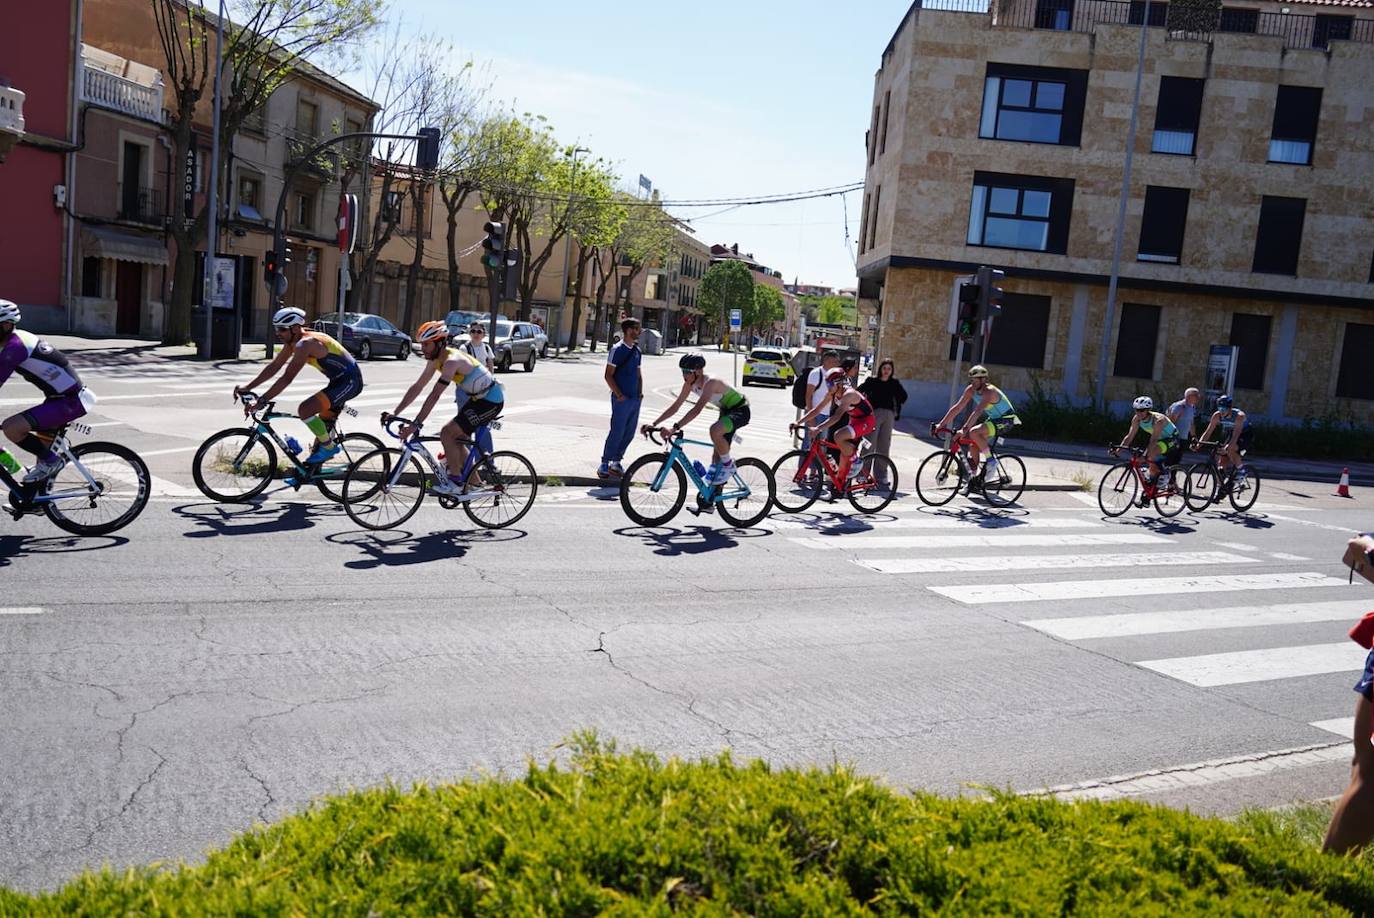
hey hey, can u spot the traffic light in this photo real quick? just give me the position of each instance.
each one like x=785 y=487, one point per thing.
x=495 y=245
x=269 y=267
x=968 y=309
x=512 y=277
x=427 y=149
x=989 y=294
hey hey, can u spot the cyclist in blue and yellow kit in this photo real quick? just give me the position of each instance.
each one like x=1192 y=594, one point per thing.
x=301 y=347
x=1235 y=424
x=1164 y=448
x=992 y=416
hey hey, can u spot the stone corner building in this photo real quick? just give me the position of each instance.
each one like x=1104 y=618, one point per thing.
x=998 y=137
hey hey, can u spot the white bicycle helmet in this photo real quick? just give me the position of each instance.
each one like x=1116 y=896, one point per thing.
x=1144 y=403
x=288 y=316
x=9 y=312
x=978 y=371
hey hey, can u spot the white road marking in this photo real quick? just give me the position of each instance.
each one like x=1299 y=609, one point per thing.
x=167 y=452
x=161 y=487
x=20 y=610
x=1198 y=774
x=104 y=424
x=1237 y=546
x=858 y=542
x=978 y=593
x=1294 y=519
x=1344 y=726
x=1050 y=562
x=1242 y=666
x=970 y=524
x=1285 y=556
x=1172 y=621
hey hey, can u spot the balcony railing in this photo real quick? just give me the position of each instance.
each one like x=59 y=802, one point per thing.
x=324 y=165
x=1296 y=30
x=141 y=205
x=121 y=95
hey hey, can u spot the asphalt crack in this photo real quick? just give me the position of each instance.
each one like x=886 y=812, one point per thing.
x=128 y=801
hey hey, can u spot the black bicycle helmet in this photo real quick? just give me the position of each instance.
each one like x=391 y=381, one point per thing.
x=691 y=362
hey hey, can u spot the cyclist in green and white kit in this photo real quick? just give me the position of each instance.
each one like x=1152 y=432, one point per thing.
x=734 y=413
x=1165 y=446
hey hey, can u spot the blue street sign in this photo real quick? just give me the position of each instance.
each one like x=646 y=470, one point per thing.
x=736 y=319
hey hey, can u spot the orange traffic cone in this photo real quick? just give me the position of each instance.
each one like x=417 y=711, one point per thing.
x=1343 y=489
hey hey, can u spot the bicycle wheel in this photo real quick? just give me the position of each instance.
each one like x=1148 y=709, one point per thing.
x=1171 y=491
x=329 y=477
x=119 y=494
x=234 y=465
x=1244 y=495
x=508 y=485
x=797 y=483
x=1006 y=486
x=939 y=478
x=1117 y=490
x=876 y=486
x=378 y=493
x=1201 y=487
x=641 y=501
x=755 y=476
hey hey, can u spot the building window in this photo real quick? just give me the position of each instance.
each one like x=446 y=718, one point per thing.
x=391 y=207
x=1280 y=235
x=1020 y=212
x=1354 y=379
x=304 y=211
x=1176 y=115
x=1250 y=333
x=1328 y=28
x=255 y=121
x=306 y=115
x=1054 y=14
x=1238 y=20
x=873 y=225
x=863 y=226
x=90 y=277
x=1018 y=334
x=873 y=135
x=1136 y=340
x=1035 y=104
x=1296 y=110
x=250 y=196
x=1159 y=13
x=1162 y=224
x=887 y=112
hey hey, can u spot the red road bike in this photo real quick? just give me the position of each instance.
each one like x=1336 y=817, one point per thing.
x=944 y=473
x=802 y=475
x=1125 y=481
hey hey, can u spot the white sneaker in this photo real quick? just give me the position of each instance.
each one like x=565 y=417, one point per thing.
x=446 y=487
x=43 y=470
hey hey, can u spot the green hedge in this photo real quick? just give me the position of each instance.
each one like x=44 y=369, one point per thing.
x=1334 y=437
x=634 y=835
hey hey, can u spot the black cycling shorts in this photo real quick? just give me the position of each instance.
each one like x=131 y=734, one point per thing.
x=1246 y=435
x=476 y=412
x=734 y=419
x=340 y=390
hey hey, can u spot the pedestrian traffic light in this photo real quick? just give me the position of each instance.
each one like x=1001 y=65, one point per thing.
x=269 y=266
x=968 y=309
x=512 y=275
x=989 y=294
x=495 y=245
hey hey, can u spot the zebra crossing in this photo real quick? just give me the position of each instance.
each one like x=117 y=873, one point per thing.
x=1069 y=561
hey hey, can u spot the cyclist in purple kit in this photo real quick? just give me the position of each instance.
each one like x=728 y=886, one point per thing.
x=64 y=398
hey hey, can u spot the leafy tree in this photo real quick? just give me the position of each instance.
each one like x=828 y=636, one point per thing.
x=766 y=308
x=596 y=224
x=645 y=237
x=262 y=50
x=726 y=285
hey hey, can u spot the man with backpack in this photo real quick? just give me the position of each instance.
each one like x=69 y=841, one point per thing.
x=812 y=390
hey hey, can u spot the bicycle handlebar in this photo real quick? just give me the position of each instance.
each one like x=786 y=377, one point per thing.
x=1115 y=448
x=252 y=403
x=651 y=434
x=390 y=420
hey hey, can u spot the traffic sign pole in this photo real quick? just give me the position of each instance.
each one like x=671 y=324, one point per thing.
x=736 y=321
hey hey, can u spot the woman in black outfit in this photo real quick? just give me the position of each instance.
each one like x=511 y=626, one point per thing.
x=886 y=395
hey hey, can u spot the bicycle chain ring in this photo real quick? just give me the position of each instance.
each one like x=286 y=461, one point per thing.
x=448 y=503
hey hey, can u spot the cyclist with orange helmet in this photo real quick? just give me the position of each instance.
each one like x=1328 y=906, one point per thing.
x=485 y=399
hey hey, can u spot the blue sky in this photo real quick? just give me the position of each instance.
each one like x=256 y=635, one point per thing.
x=707 y=101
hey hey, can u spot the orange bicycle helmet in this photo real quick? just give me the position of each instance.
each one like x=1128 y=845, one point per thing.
x=431 y=331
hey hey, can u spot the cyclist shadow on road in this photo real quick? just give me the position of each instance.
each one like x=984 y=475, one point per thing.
x=670 y=541
x=1245 y=520
x=14 y=547
x=981 y=517
x=1179 y=525
x=832 y=522
x=256 y=518
x=399 y=548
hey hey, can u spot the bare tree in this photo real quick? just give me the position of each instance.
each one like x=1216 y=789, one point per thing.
x=267 y=42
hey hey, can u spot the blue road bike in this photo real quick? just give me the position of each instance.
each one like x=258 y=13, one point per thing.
x=654 y=487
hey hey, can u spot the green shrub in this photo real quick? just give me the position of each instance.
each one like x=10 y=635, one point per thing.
x=633 y=835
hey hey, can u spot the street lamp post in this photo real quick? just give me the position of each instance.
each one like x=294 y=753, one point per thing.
x=1109 y=315
x=212 y=235
x=567 y=254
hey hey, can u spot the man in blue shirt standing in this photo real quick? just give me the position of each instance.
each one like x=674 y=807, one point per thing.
x=626 y=382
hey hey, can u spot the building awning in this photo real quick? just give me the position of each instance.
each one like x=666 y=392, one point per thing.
x=104 y=242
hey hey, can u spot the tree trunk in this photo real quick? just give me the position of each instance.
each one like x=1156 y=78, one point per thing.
x=413 y=274
x=453 y=205
x=575 y=339
x=176 y=320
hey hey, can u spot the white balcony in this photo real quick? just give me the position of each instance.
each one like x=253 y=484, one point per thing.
x=102 y=88
x=11 y=119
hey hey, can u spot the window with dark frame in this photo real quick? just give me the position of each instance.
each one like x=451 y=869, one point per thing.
x=1136 y=340
x=887 y=112
x=1177 y=114
x=1234 y=19
x=1278 y=240
x=90 y=277
x=873 y=226
x=305 y=210
x=1159 y=13
x=863 y=226
x=1020 y=212
x=1297 y=110
x=1033 y=104
x=1018 y=334
x=873 y=135
x=1354 y=380
x=1250 y=333
x=1162 y=224
x=1327 y=28
x=1054 y=14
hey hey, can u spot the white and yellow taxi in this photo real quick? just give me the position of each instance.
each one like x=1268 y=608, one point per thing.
x=769 y=366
